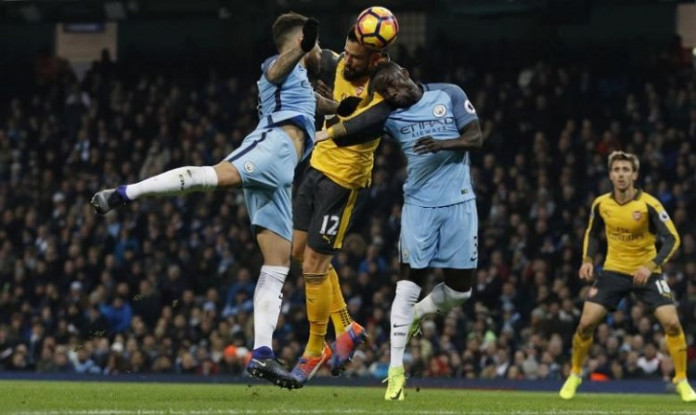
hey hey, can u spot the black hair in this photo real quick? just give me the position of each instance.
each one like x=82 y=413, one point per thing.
x=284 y=25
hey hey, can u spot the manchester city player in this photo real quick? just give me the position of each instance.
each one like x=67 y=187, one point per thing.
x=264 y=167
x=435 y=126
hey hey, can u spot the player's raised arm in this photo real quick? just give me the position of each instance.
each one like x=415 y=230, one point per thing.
x=279 y=69
x=665 y=231
x=324 y=83
x=590 y=243
x=325 y=105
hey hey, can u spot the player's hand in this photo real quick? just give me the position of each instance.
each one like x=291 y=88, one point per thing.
x=427 y=144
x=322 y=89
x=586 y=271
x=640 y=277
x=348 y=106
x=321 y=135
x=310 y=33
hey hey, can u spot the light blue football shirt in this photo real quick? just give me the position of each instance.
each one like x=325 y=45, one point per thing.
x=292 y=100
x=442 y=178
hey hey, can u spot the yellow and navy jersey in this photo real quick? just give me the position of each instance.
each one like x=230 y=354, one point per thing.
x=350 y=166
x=632 y=230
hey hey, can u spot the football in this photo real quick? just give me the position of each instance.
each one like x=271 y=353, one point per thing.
x=376 y=27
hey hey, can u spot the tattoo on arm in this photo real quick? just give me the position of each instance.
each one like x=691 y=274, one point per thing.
x=285 y=63
x=325 y=105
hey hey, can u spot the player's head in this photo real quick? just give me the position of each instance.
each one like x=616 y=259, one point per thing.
x=360 y=61
x=623 y=169
x=287 y=32
x=287 y=28
x=395 y=85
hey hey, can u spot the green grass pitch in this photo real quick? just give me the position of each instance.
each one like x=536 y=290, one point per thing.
x=104 y=398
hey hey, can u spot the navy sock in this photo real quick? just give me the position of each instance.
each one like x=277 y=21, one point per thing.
x=263 y=352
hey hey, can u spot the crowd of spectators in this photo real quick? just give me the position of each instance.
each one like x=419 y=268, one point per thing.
x=166 y=285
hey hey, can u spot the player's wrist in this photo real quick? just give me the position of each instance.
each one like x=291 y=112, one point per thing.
x=587 y=260
x=651 y=265
x=336 y=130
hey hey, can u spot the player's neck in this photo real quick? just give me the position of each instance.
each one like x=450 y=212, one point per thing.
x=421 y=91
x=625 y=195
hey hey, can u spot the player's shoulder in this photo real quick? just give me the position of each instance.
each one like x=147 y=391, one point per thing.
x=268 y=61
x=601 y=198
x=452 y=90
x=647 y=198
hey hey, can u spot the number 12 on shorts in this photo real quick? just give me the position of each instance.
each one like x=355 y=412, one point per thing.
x=329 y=225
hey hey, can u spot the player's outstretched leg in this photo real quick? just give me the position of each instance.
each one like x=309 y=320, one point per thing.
x=178 y=181
x=440 y=300
x=264 y=365
x=308 y=366
x=344 y=347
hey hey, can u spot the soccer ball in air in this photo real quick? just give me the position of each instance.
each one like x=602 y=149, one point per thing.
x=376 y=27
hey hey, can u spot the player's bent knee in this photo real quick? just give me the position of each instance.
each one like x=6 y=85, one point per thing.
x=586 y=328
x=459 y=279
x=299 y=244
x=298 y=255
x=315 y=262
x=228 y=175
x=672 y=327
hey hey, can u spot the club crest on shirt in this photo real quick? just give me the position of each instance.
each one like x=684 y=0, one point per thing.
x=249 y=167
x=439 y=110
x=637 y=214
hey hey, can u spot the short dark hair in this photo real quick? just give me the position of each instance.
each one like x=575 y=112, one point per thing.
x=351 y=34
x=382 y=70
x=284 y=25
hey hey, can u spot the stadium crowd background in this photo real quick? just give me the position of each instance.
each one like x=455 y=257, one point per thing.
x=165 y=286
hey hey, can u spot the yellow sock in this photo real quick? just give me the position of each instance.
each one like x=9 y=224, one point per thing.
x=339 y=311
x=318 y=293
x=677 y=350
x=581 y=347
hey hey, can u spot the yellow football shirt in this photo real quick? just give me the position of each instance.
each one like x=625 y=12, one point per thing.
x=351 y=166
x=631 y=230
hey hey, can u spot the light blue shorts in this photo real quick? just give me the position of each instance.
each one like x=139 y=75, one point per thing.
x=441 y=237
x=266 y=160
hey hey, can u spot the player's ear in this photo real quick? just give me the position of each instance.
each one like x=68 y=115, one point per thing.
x=404 y=71
x=375 y=59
